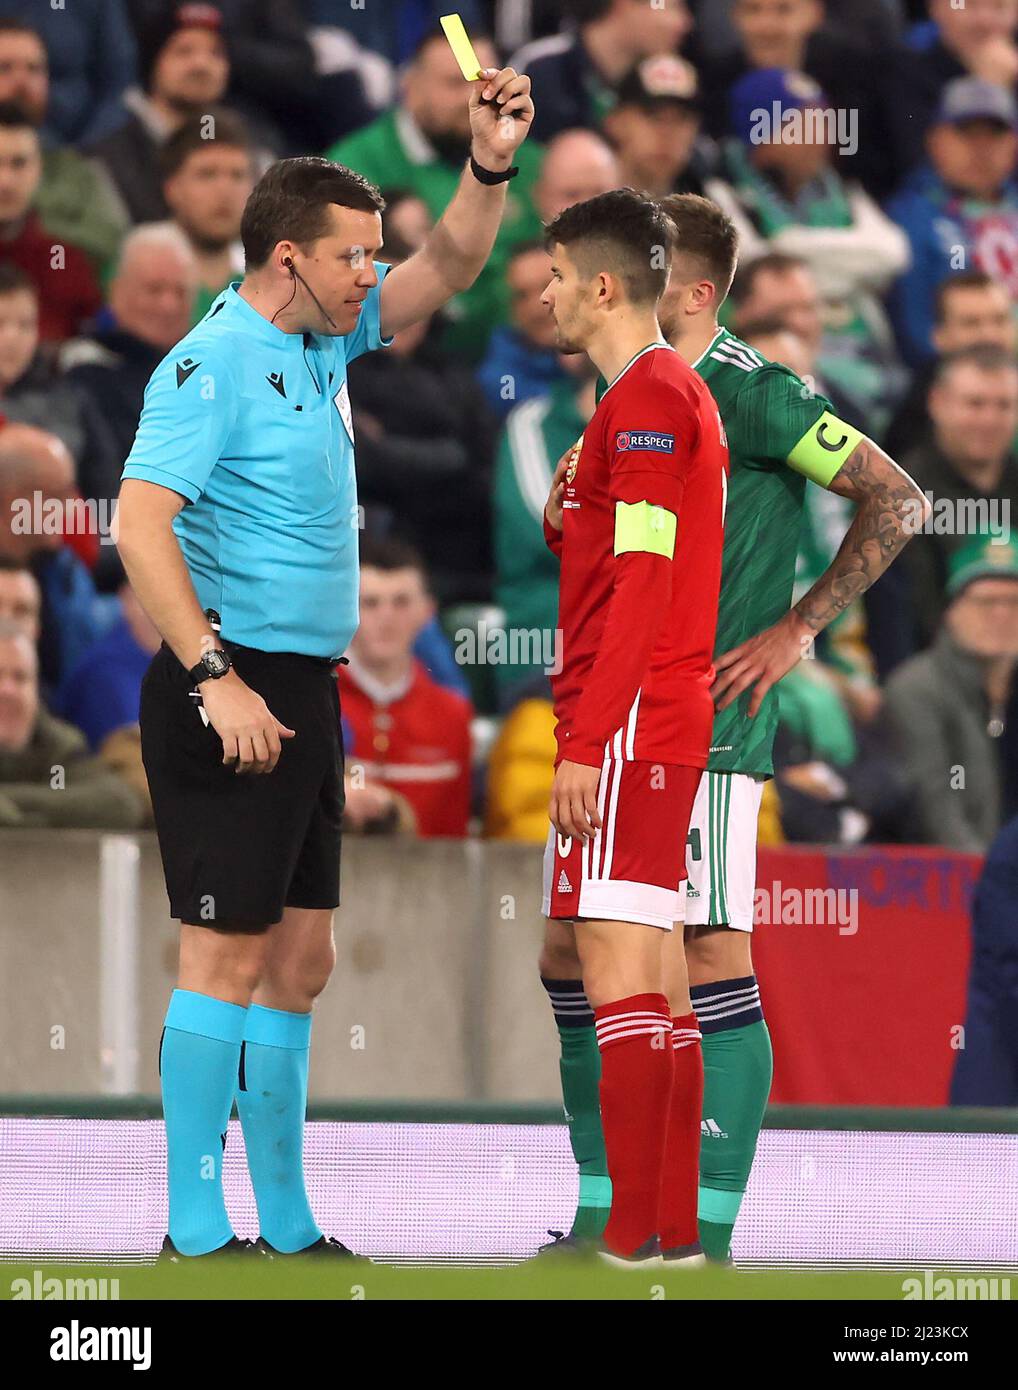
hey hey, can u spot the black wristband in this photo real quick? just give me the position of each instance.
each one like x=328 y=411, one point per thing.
x=486 y=176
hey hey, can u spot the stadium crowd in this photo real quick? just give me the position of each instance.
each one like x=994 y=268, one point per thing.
x=879 y=260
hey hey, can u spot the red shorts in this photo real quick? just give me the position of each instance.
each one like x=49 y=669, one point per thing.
x=634 y=869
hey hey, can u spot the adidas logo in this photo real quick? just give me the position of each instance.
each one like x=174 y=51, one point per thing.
x=710 y=1129
x=564 y=886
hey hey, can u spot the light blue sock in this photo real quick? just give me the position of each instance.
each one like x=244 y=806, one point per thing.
x=272 y=1101
x=198 y=1070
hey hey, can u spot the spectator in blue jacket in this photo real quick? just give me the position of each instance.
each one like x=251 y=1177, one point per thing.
x=102 y=692
x=986 y=1069
x=522 y=360
x=959 y=211
x=92 y=62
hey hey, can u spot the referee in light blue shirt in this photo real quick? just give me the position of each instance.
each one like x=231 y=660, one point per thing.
x=237 y=526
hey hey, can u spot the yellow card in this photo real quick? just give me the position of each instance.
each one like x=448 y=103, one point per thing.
x=459 y=42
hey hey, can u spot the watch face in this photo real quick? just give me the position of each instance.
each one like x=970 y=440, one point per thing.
x=216 y=663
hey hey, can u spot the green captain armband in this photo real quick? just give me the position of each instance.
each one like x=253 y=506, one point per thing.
x=641 y=527
x=820 y=452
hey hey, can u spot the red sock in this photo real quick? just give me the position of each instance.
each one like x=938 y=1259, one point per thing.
x=634 y=1036
x=680 y=1176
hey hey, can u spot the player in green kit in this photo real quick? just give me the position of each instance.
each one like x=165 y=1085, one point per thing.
x=780 y=434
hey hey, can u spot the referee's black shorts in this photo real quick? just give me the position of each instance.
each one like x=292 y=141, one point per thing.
x=237 y=849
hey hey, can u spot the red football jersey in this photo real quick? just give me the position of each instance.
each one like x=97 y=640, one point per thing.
x=638 y=628
x=415 y=740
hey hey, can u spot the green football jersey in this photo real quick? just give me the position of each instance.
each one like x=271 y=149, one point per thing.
x=766 y=410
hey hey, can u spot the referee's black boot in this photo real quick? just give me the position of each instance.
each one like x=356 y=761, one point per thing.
x=169 y=1254
x=325 y=1247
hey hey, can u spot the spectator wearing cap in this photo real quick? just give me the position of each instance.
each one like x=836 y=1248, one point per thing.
x=274 y=82
x=968 y=470
x=92 y=62
x=60 y=271
x=184 y=69
x=575 y=74
x=958 y=40
x=578 y=164
x=953 y=709
x=969 y=308
x=421 y=145
x=960 y=210
x=798 y=35
x=781 y=184
x=654 y=128
x=76 y=198
x=522 y=359
x=206 y=182
x=149 y=309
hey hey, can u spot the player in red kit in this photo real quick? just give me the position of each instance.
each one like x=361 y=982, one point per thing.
x=639 y=536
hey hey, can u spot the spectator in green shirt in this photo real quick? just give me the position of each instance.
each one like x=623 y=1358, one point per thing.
x=421 y=146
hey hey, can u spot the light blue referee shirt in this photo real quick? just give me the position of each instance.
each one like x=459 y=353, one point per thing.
x=253 y=427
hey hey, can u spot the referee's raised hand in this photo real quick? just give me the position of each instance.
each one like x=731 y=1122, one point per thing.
x=250 y=732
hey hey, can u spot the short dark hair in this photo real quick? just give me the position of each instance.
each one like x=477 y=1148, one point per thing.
x=13 y=279
x=10 y=25
x=985 y=357
x=622 y=229
x=585 y=11
x=964 y=280
x=199 y=132
x=772 y=263
x=764 y=327
x=390 y=553
x=705 y=233
x=291 y=200
x=11 y=564
x=15 y=117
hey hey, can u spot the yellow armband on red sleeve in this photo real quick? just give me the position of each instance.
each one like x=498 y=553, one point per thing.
x=639 y=526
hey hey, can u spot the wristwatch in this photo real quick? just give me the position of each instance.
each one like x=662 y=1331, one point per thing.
x=212 y=667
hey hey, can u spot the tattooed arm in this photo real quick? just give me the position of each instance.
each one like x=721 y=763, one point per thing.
x=891 y=508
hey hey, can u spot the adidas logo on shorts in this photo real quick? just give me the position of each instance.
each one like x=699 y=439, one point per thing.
x=710 y=1129
x=564 y=886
